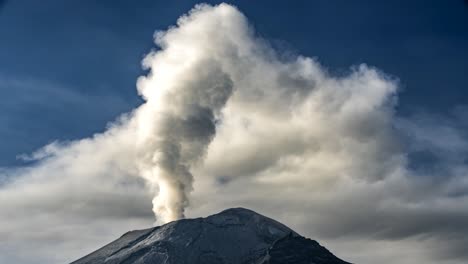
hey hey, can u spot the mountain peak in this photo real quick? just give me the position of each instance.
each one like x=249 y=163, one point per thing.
x=238 y=210
x=233 y=236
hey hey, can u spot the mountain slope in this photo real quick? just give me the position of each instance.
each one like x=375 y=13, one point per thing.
x=234 y=236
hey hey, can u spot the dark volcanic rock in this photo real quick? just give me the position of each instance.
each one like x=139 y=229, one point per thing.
x=298 y=250
x=234 y=236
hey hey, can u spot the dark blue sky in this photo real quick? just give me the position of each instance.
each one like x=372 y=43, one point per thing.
x=69 y=67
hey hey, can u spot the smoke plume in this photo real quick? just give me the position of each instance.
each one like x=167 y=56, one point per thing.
x=177 y=123
x=185 y=93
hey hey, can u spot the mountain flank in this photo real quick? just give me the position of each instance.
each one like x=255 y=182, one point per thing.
x=233 y=236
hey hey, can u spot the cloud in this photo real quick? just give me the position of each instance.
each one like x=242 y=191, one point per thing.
x=228 y=121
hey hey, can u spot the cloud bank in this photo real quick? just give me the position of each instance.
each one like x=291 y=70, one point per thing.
x=227 y=121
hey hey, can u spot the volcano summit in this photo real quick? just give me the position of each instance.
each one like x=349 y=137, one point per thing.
x=234 y=236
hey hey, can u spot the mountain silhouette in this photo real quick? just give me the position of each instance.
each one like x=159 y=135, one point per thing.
x=234 y=236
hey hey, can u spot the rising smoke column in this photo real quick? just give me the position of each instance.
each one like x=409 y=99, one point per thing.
x=185 y=92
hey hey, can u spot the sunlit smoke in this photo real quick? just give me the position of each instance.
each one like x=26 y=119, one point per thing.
x=185 y=92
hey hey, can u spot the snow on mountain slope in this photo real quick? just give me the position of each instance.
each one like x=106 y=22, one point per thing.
x=234 y=236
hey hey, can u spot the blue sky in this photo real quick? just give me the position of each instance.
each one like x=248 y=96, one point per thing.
x=69 y=67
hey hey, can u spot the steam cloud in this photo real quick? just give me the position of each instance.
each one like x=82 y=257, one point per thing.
x=324 y=154
x=178 y=121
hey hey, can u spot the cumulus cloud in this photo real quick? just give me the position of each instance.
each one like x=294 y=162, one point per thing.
x=229 y=122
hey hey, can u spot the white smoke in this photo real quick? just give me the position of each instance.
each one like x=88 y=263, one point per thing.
x=226 y=122
x=178 y=121
x=185 y=92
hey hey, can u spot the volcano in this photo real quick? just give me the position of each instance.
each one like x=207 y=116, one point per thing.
x=233 y=236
